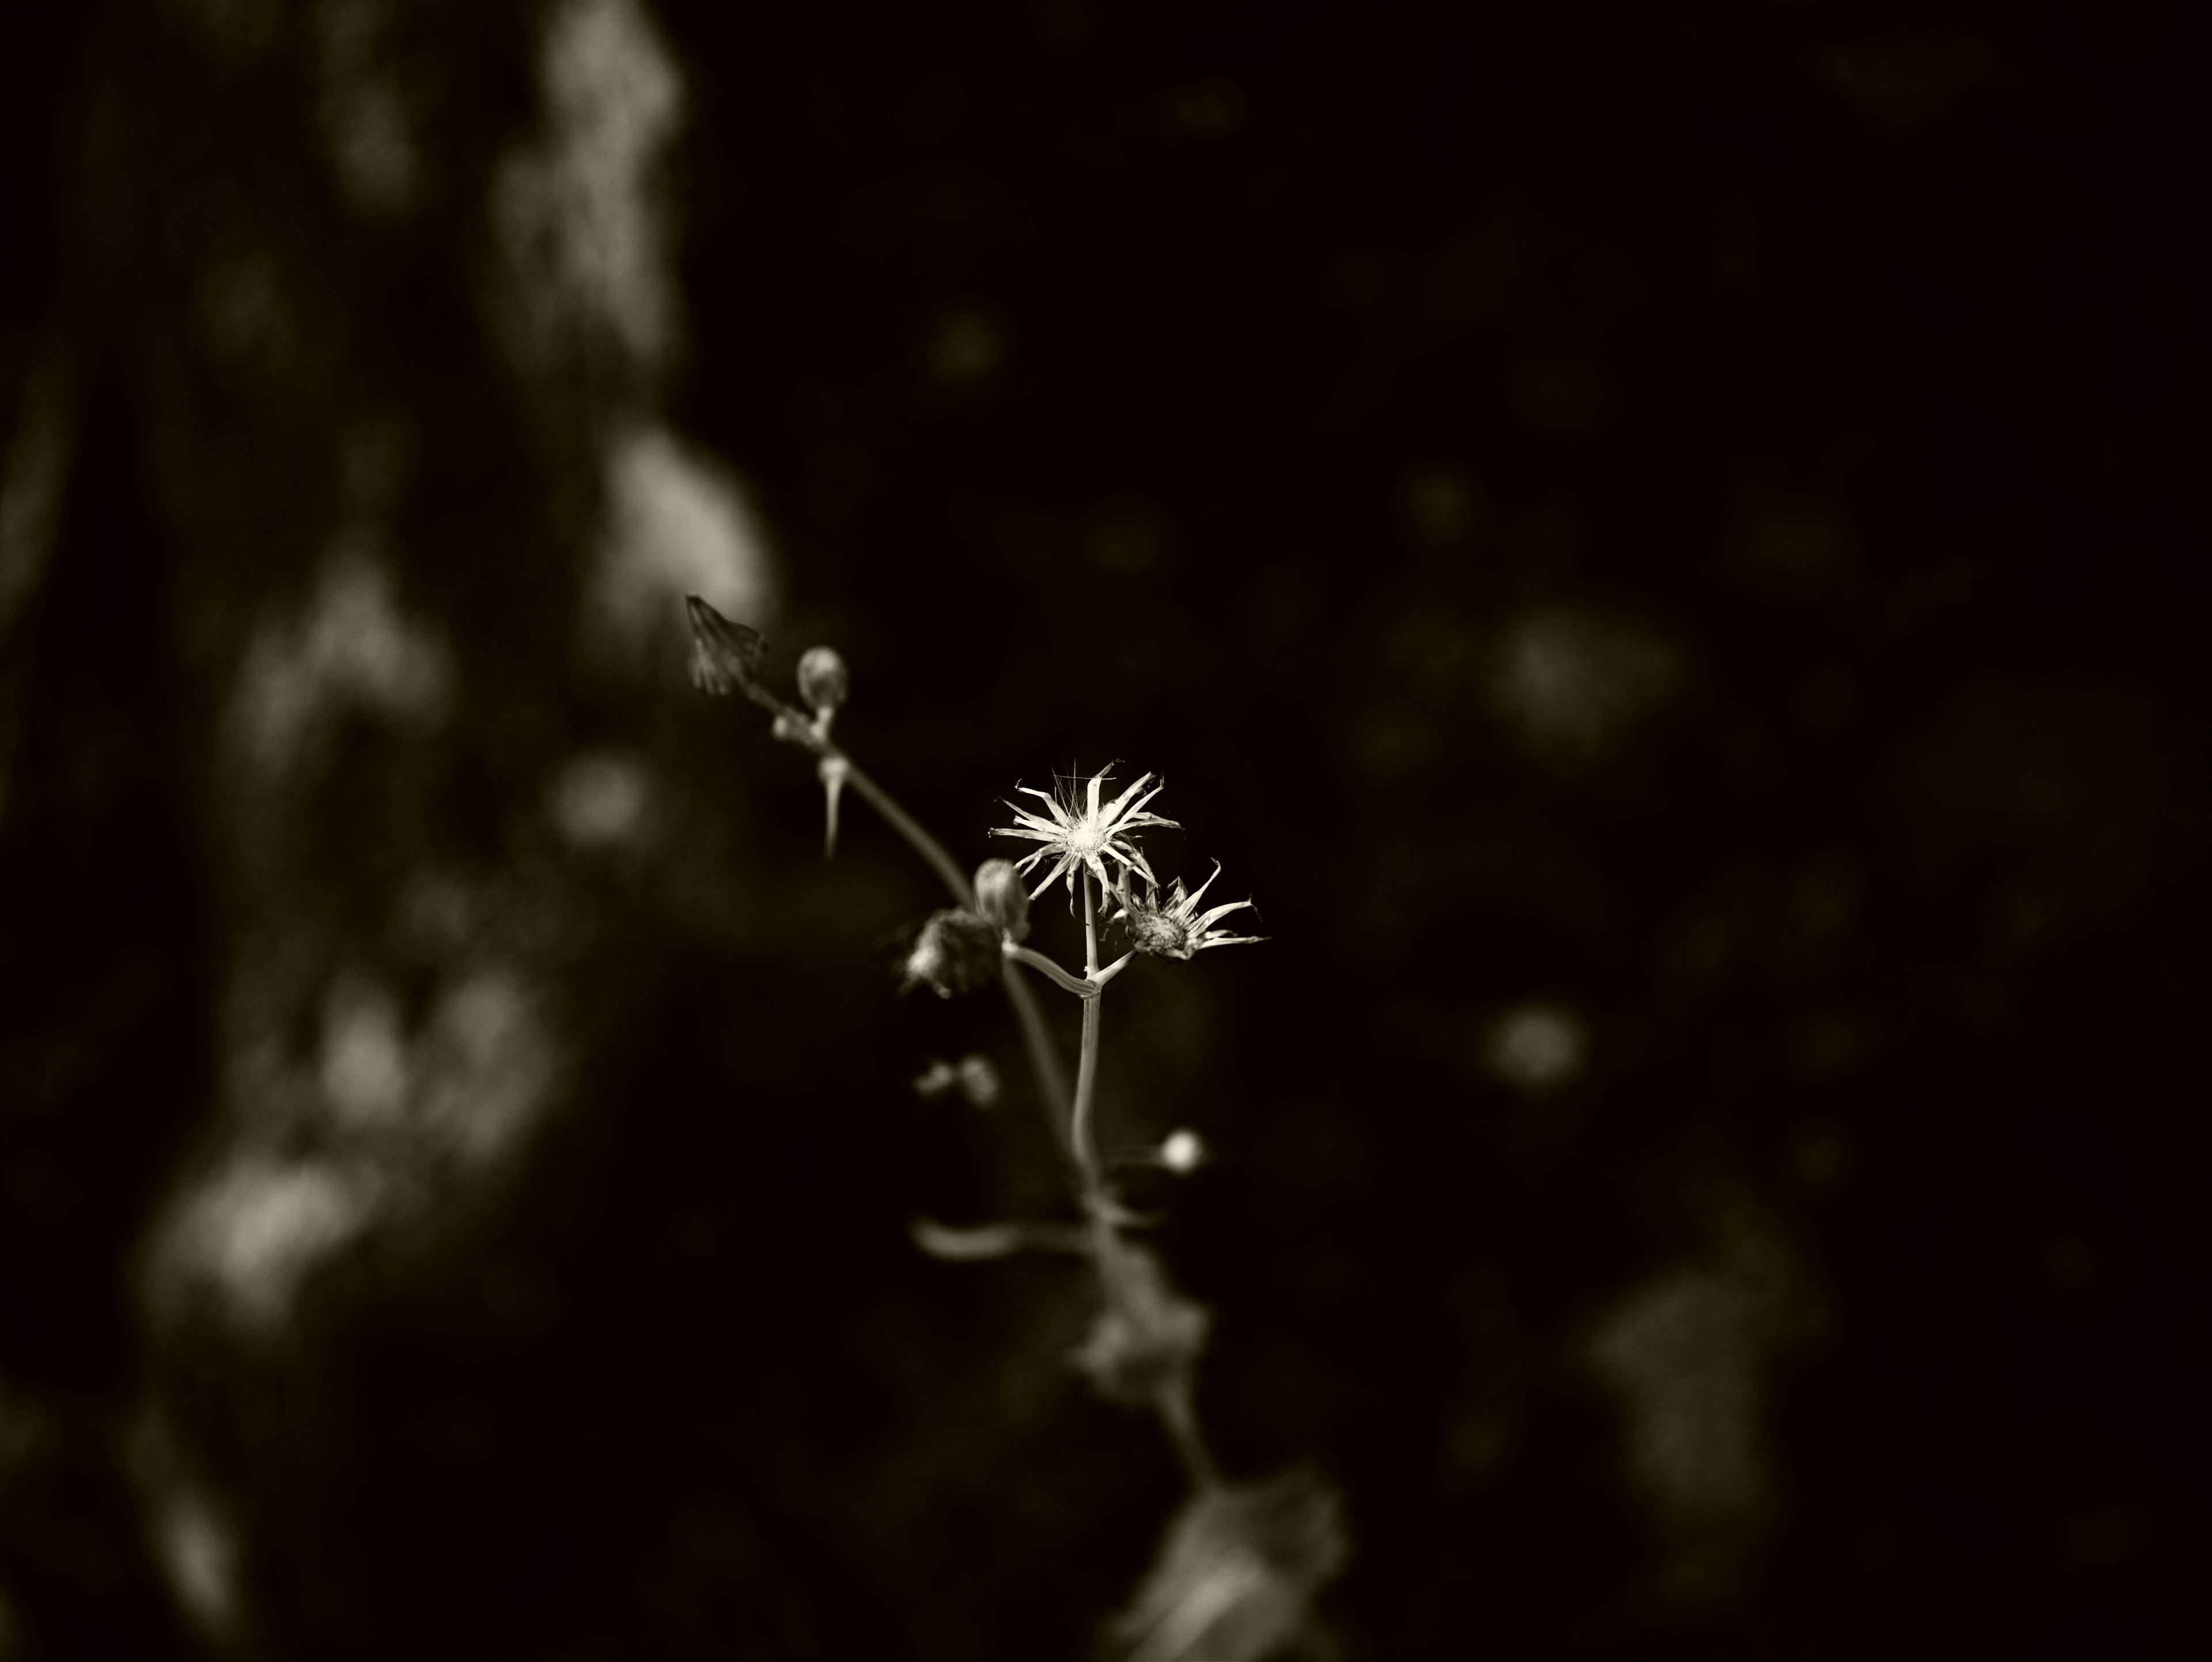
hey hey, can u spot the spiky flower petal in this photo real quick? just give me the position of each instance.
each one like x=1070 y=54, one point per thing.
x=1082 y=835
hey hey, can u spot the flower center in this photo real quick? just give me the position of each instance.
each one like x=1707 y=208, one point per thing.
x=1084 y=841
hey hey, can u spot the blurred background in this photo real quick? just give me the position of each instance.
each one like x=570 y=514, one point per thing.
x=1654 y=541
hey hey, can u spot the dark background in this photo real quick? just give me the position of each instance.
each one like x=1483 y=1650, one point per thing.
x=1227 y=391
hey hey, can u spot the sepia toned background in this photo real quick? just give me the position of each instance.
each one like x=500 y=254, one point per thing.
x=1659 y=545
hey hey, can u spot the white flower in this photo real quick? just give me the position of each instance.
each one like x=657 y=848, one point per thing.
x=1178 y=928
x=1084 y=834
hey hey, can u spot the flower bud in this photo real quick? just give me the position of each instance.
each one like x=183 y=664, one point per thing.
x=822 y=681
x=956 y=952
x=725 y=655
x=1183 y=1152
x=1002 y=898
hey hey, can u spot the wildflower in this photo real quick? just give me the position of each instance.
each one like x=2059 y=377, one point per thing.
x=822 y=680
x=1085 y=837
x=1001 y=897
x=1146 y=1335
x=955 y=952
x=1178 y=928
x=725 y=655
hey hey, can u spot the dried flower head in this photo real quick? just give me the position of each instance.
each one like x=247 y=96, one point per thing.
x=1145 y=1334
x=1082 y=835
x=1176 y=927
x=954 y=952
x=1000 y=897
x=725 y=655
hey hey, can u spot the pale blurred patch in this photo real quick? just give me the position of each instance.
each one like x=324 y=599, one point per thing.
x=974 y=1077
x=678 y=523
x=350 y=648
x=1689 y=1357
x=1237 y=1574
x=365 y=1066
x=579 y=212
x=189 y=1534
x=486 y=1066
x=604 y=800
x=1575 y=683
x=361 y=107
x=383 y=1129
x=1536 y=1048
x=253 y=1229
x=199 y=1554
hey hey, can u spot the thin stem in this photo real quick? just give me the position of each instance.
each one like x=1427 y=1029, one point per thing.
x=1051 y=971
x=906 y=825
x=1086 y=1090
x=1181 y=1420
x=1045 y=1060
x=1086 y=1071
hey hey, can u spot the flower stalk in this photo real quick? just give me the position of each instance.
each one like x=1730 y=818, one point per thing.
x=1086 y=1068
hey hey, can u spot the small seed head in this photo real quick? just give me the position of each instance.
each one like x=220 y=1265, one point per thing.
x=1002 y=898
x=822 y=680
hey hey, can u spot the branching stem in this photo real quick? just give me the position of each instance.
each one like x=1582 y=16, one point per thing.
x=1044 y=1060
x=1051 y=971
x=1073 y=1123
